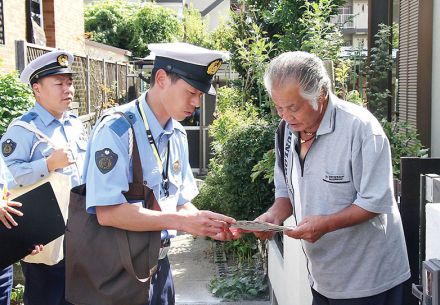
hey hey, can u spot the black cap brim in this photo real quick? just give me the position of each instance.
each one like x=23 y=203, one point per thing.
x=57 y=71
x=207 y=88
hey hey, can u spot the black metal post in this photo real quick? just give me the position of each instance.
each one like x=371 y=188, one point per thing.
x=412 y=218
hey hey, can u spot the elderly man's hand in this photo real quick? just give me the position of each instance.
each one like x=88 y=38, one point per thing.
x=7 y=208
x=310 y=229
x=269 y=218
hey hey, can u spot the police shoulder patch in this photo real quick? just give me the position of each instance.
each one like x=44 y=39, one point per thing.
x=8 y=147
x=105 y=160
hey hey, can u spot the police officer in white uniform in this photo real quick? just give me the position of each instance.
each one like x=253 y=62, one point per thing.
x=31 y=157
x=181 y=75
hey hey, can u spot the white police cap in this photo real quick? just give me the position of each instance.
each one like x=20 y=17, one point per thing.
x=51 y=63
x=195 y=65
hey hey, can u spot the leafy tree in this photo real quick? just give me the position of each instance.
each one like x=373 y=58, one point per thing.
x=377 y=70
x=154 y=23
x=109 y=22
x=15 y=98
x=130 y=26
x=318 y=35
x=195 y=30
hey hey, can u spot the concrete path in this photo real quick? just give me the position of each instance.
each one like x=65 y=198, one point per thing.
x=192 y=263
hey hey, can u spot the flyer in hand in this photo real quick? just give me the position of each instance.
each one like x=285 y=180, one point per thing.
x=258 y=226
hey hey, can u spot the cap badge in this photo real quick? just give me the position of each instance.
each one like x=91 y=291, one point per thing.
x=105 y=160
x=8 y=147
x=63 y=60
x=214 y=66
x=176 y=166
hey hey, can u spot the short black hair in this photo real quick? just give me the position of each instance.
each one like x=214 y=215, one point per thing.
x=173 y=76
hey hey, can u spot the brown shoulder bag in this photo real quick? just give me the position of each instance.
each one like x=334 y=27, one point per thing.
x=107 y=265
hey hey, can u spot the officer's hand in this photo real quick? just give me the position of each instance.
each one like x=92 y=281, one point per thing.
x=7 y=208
x=60 y=158
x=310 y=229
x=206 y=223
x=37 y=249
x=227 y=234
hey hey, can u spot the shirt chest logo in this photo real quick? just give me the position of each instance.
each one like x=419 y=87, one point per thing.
x=335 y=178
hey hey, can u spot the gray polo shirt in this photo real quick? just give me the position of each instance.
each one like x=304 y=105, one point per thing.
x=349 y=162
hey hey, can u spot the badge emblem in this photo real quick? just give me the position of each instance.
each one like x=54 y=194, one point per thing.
x=63 y=60
x=8 y=147
x=176 y=166
x=105 y=160
x=214 y=66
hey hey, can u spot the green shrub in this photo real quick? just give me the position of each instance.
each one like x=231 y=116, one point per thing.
x=17 y=294
x=240 y=139
x=15 y=98
x=242 y=282
x=404 y=143
x=354 y=96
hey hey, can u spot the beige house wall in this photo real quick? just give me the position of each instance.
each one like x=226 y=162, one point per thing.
x=63 y=27
x=109 y=53
x=69 y=25
x=15 y=29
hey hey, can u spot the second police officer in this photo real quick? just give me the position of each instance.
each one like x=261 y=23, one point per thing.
x=45 y=139
x=182 y=73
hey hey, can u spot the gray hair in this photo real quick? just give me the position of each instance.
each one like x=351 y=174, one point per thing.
x=306 y=69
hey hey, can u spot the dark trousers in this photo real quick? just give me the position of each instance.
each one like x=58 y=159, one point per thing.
x=162 y=285
x=44 y=285
x=6 y=285
x=394 y=296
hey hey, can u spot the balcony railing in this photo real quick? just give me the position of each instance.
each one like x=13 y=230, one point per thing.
x=344 y=21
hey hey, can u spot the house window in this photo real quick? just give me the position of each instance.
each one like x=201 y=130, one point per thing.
x=37 y=11
x=2 y=26
x=35 y=22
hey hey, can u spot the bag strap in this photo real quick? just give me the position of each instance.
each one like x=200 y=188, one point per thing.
x=133 y=150
x=121 y=235
x=124 y=253
x=281 y=130
x=42 y=138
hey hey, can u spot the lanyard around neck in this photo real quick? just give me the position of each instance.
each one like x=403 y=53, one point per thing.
x=155 y=150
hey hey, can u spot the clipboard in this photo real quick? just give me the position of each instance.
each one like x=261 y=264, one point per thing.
x=41 y=223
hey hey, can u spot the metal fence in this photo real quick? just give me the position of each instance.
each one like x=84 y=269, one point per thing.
x=98 y=83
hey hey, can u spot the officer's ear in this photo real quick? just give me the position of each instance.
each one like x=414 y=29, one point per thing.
x=161 y=78
x=36 y=87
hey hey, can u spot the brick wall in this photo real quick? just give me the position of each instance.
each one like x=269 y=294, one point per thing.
x=15 y=29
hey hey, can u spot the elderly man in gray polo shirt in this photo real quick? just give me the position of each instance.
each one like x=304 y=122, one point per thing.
x=336 y=180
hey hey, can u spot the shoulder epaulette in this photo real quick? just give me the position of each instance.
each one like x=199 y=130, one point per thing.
x=28 y=117
x=120 y=125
